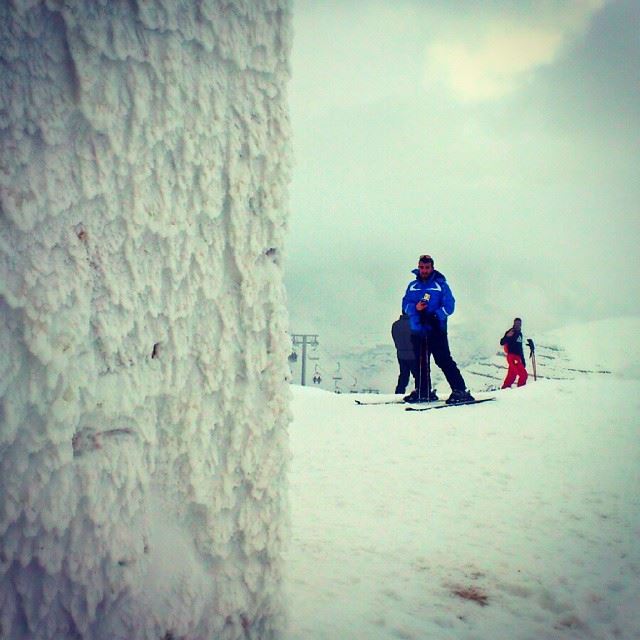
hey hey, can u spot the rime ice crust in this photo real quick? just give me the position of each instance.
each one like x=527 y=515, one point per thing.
x=143 y=181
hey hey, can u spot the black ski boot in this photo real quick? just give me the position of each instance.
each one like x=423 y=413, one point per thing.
x=414 y=397
x=459 y=396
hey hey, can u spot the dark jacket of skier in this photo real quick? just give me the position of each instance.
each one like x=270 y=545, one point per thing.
x=440 y=303
x=401 y=334
x=513 y=343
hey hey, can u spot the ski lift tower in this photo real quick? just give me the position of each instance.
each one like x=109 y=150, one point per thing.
x=305 y=340
x=337 y=376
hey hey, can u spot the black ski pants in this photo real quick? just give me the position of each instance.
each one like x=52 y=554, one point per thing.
x=436 y=345
x=407 y=367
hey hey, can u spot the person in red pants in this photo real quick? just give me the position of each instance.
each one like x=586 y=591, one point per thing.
x=512 y=343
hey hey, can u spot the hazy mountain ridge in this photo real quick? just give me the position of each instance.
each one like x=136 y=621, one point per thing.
x=597 y=348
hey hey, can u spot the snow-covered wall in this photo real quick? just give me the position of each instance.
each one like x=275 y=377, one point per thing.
x=144 y=406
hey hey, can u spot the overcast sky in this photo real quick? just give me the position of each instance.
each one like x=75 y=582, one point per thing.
x=500 y=137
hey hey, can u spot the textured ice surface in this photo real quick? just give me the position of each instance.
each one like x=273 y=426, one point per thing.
x=143 y=441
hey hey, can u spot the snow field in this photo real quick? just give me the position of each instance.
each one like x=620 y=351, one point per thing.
x=527 y=507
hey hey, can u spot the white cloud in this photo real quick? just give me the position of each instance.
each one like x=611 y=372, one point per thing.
x=490 y=59
x=493 y=68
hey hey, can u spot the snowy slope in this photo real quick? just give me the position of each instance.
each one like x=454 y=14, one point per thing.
x=595 y=350
x=515 y=519
x=608 y=347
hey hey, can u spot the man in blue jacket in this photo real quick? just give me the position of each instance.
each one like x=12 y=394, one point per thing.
x=428 y=302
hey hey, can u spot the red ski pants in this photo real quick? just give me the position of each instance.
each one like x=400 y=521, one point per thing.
x=516 y=370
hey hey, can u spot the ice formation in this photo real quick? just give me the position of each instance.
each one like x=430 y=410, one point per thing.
x=144 y=402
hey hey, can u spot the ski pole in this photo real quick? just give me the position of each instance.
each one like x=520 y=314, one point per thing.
x=423 y=349
x=420 y=371
x=533 y=360
x=419 y=378
x=428 y=356
x=532 y=357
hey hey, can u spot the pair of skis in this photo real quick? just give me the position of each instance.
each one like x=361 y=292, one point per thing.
x=424 y=406
x=444 y=405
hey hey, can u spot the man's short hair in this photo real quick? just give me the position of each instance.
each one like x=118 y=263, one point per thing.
x=516 y=319
x=426 y=259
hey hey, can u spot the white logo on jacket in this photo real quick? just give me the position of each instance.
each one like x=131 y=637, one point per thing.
x=413 y=287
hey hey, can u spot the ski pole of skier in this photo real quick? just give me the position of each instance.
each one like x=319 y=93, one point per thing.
x=532 y=357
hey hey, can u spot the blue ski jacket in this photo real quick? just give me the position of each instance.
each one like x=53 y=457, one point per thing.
x=440 y=303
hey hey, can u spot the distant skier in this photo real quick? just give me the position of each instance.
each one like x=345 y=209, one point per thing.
x=428 y=302
x=512 y=343
x=401 y=333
